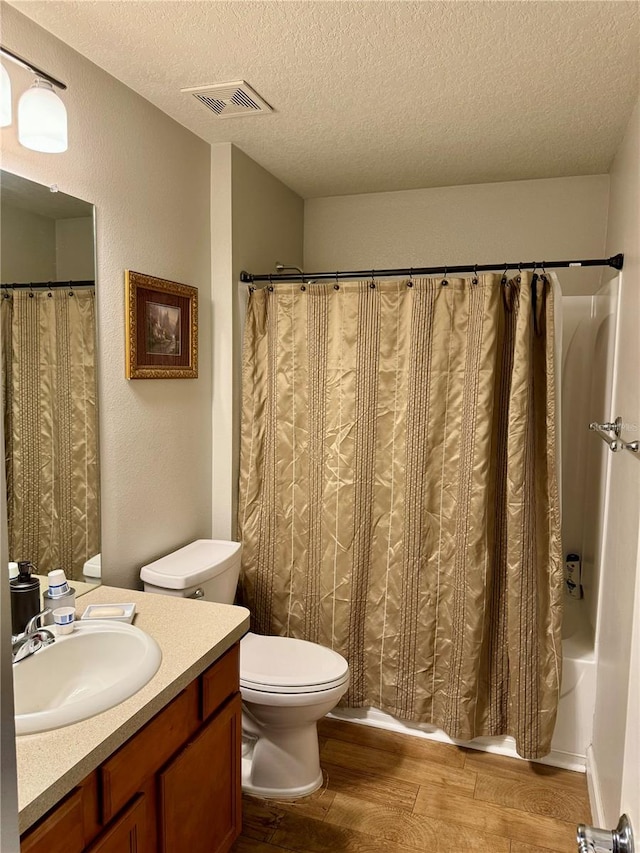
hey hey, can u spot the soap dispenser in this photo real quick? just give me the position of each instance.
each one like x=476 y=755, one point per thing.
x=25 y=597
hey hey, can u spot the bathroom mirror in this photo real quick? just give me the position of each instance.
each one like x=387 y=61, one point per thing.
x=49 y=394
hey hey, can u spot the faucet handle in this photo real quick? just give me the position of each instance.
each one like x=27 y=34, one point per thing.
x=34 y=623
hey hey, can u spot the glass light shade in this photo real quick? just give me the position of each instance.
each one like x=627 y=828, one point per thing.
x=42 y=119
x=5 y=97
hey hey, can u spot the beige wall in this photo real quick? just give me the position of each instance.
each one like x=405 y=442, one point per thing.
x=149 y=179
x=74 y=249
x=552 y=219
x=27 y=246
x=256 y=221
x=616 y=758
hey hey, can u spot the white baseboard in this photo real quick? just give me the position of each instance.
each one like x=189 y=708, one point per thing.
x=499 y=745
x=593 y=785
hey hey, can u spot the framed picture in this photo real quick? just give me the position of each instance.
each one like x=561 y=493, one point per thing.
x=162 y=328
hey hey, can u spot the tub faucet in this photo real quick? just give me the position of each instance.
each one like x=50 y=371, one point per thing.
x=32 y=640
x=593 y=840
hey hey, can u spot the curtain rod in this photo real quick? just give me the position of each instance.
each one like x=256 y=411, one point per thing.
x=248 y=278
x=31 y=285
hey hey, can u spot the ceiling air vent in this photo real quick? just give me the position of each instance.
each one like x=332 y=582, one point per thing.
x=227 y=100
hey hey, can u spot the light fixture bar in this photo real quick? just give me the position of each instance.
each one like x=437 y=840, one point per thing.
x=9 y=54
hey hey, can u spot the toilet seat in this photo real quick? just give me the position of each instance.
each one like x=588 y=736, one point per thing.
x=287 y=665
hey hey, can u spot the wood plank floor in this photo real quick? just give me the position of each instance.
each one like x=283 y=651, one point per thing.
x=390 y=793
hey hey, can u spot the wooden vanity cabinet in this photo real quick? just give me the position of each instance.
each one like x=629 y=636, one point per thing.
x=199 y=810
x=67 y=826
x=173 y=787
x=127 y=834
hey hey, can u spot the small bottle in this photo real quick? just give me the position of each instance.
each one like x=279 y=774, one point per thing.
x=59 y=594
x=25 y=597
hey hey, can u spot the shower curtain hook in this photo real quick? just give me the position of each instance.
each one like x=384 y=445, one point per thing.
x=336 y=286
x=445 y=283
x=410 y=282
x=474 y=280
x=373 y=279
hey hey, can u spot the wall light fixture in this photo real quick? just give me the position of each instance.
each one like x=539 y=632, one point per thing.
x=42 y=116
x=5 y=98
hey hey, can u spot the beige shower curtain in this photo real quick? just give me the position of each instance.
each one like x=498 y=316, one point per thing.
x=398 y=493
x=51 y=453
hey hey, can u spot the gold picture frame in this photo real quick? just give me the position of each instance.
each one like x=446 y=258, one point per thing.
x=161 y=328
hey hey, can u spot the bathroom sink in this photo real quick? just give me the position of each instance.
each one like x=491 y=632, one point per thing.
x=83 y=673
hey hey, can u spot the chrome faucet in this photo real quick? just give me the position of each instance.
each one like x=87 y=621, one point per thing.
x=34 y=638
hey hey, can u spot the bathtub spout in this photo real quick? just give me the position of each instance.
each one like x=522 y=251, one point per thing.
x=593 y=840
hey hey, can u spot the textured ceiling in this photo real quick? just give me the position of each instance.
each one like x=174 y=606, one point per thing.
x=373 y=96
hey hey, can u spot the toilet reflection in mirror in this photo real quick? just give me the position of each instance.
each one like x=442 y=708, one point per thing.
x=49 y=396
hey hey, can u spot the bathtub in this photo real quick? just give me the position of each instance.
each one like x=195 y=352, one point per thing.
x=574 y=723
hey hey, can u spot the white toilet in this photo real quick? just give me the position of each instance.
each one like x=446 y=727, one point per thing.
x=287 y=685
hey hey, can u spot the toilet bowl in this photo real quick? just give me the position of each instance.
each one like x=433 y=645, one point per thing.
x=286 y=685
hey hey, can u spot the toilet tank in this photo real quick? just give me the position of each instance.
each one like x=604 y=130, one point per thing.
x=206 y=568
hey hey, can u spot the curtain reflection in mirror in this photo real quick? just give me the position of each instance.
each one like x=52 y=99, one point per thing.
x=51 y=451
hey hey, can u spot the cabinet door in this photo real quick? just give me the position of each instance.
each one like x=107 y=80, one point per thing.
x=123 y=775
x=126 y=834
x=199 y=791
x=69 y=826
x=61 y=831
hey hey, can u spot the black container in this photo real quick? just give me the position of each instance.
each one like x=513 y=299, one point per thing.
x=25 y=597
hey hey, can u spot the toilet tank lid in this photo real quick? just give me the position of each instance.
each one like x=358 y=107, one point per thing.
x=195 y=563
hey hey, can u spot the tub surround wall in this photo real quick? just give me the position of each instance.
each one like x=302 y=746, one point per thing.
x=149 y=179
x=577 y=368
x=588 y=341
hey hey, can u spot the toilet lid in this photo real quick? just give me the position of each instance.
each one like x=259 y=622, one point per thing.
x=285 y=665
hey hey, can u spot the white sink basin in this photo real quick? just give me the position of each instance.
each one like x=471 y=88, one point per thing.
x=83 y=673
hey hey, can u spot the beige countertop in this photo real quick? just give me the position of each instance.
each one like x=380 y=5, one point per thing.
x=192 y=635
